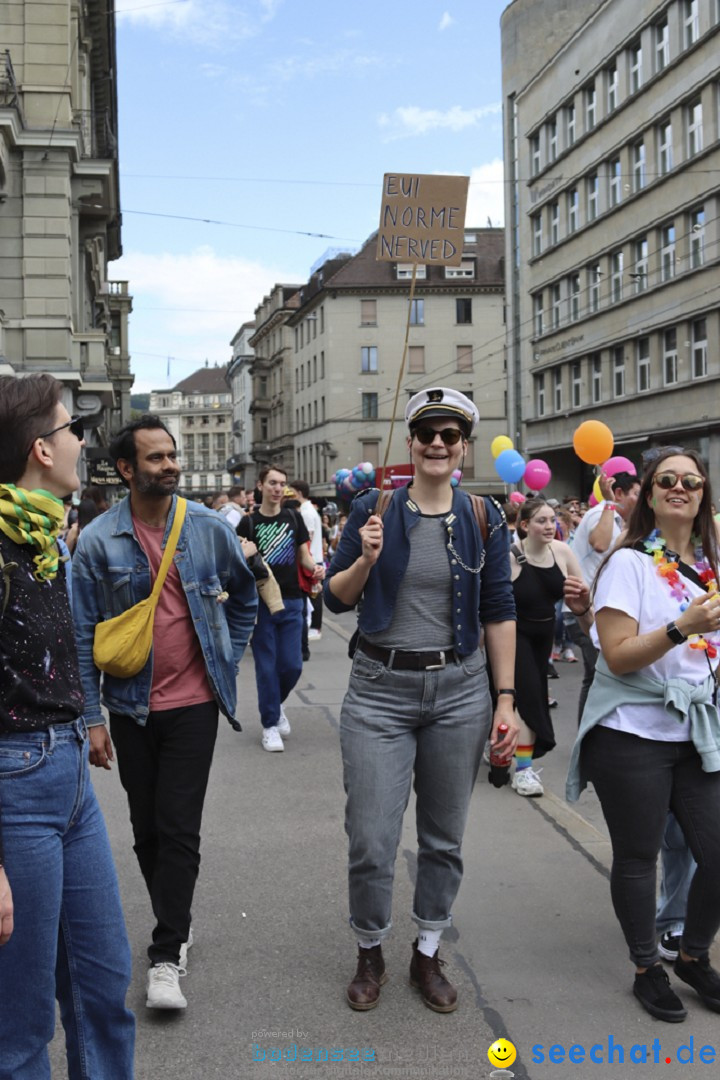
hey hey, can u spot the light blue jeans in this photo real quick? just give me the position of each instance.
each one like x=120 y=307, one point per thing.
x=678 y=867
x=69 y=939
x=394 y=723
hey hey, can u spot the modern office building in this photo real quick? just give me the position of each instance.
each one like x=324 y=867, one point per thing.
x=612 y=151
x=59 y=206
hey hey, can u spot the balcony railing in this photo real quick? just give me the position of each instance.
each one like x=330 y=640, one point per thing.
x=9 y=95
x=97 y=139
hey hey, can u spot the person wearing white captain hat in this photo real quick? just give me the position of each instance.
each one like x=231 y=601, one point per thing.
x=418 y=700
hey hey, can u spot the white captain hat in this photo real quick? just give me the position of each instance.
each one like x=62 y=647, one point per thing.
x=442 y=401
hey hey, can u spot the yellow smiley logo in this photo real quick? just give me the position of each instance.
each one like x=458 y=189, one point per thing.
x=502 y=1053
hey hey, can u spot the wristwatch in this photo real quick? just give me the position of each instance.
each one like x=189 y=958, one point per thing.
x=675 y=634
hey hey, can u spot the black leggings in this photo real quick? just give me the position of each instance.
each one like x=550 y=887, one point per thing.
x=638 y=781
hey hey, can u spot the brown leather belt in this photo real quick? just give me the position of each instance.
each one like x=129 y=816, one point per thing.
x=409 y=661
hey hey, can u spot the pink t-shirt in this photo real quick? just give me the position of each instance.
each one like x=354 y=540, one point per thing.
x=179 y=676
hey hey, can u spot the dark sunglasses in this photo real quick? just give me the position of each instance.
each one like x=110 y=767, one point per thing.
x=76 y=425
x=690 y=481
x=449 y=435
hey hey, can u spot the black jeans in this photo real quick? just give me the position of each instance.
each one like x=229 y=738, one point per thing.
x=164 y=768
x=638 y=781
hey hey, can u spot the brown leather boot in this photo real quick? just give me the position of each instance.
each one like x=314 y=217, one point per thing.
x=363 y=993
x=425 y=976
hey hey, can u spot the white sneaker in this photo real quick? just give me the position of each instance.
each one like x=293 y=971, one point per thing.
x=527 y=782
x=569 y=656
x=271 y=740
x=314 y=635
x=283 y=724
x=163 y=987
x=184 y=949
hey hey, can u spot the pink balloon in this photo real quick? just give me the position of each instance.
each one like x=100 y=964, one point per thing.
x=618 y=464
x=517 y=497
x=592 y=501
x=537 y=474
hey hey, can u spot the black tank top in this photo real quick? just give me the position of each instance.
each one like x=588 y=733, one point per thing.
x=537 y=590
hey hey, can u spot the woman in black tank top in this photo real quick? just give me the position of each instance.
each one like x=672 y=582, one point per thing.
x=543 y=570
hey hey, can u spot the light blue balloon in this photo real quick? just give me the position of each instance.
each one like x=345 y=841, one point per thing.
x=510 y=466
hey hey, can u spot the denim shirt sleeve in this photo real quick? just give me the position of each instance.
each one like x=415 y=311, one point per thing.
x=86 y=615
x=349 y=549
x=497 y=603
x=242 y=602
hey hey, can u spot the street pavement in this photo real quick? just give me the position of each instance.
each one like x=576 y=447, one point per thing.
x=535 y=950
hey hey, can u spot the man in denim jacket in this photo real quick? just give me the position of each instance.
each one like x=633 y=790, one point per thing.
x=163 y=720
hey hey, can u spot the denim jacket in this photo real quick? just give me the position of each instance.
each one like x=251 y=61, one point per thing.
x=111 y=573
x=478 y=598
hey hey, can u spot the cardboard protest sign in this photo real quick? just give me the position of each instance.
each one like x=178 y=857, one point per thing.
x=422 y=219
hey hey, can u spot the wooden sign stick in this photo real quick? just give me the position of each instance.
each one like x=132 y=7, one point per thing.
x=402 y=369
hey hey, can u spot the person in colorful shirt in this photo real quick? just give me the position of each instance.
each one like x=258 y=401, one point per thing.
x=62 y=933
x=649 y=740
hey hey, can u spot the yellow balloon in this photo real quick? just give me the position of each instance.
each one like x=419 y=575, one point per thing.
x=597 y=490
x=500 y=443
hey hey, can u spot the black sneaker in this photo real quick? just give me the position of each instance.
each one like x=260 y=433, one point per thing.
x=703 y=978
x=656 y=995
x=552 y=671
x=669 y=946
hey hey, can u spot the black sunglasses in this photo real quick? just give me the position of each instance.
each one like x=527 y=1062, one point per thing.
x=667 y=480
x=76 y=425
x=449 y=435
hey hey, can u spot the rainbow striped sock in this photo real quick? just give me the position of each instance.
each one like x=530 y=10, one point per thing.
x=523 y=757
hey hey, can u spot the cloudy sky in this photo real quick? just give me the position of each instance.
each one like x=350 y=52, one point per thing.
x=254 y=135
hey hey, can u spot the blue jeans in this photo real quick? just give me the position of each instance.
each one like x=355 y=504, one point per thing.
x=69 y=939
x=394 y=723
x=277 y=651
x=678 y=867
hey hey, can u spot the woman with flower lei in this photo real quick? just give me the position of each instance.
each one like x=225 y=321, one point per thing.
x=649 y=739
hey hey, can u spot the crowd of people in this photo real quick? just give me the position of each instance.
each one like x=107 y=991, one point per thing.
x=463 y=608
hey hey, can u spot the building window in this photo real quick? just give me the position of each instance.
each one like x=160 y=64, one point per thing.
x=322 y=320
x=638 y=166
x=670 y=357
x=590 y=106
x=464 y=357
x=556 y=293
x=699 y=348
x=691 y=23
x=369 y=406
x=574 y=297
x=190 y=444
x=416 y=359
x=370 y=451
x=404 y=272
x=557 y=390
x=322 y=410
x=635 y=67
x=264 y=428
x=463 y=310
x=552 y=139
x=662 y=45
x=611 y=83
x=694 y=121
x=538 y=314
x=614 y=177
x=697 y=237
x=596 y=362
x=537 y=233
x=369 y=357
x=368 y=312
x=640 y=274
x=554 y=222
x=594 y=275
x=616 y=276
x=576 y=383
x=417 y=313
x=535 y=154
x=667 y=251
x=540 y=394
x=592 y=188
x=642 y=362
x=569 y=125
x=573 y=209
x=619 y=372
x=465 y=270
x=664 y=141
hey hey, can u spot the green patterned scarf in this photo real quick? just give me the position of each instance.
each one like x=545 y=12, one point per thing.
x=33 y=517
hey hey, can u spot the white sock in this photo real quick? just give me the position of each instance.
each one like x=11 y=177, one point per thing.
x=428 y=941
x=369 y=943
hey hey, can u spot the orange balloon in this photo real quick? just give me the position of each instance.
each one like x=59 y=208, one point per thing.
x=593 y=442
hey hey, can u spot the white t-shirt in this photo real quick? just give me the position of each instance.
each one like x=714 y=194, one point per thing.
x=313 y=524
x=630 y=583
x=588 y=558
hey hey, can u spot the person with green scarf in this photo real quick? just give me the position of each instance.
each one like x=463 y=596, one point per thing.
x=62 y=933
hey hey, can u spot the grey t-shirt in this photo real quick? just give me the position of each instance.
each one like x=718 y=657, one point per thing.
x=422 y=619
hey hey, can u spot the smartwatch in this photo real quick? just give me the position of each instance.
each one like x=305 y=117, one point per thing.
x=675 y=634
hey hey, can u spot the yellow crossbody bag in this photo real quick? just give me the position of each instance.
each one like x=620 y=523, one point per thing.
x=122 y=645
